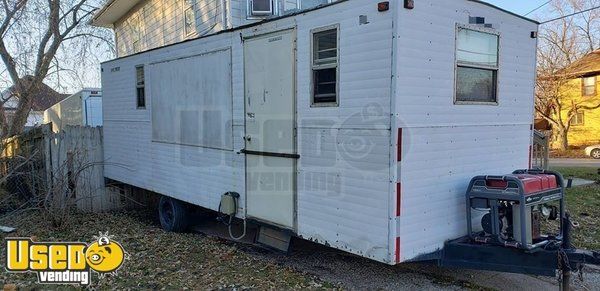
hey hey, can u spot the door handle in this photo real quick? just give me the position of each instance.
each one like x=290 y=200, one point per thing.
x=248 y=138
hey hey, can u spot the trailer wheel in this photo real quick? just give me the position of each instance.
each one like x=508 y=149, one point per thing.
x=595 y=154
x=172 y=214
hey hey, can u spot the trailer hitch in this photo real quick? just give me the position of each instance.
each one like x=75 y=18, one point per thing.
x=578 y=257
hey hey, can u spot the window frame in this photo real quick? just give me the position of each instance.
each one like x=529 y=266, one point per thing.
x=138 y=87
x=314 y=66
x=137 y=33
x=581 y=122
x=186 y=8
x=496 y=69
x=250 y=16
x=583 y=86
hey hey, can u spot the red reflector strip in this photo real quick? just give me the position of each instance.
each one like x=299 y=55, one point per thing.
x=496 y=184
x=398 y=198
x=397 y=253
x=399 y=144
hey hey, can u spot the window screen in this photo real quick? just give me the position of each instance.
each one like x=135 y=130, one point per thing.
x=477 y=66
x=325 y=67
x=589 y=86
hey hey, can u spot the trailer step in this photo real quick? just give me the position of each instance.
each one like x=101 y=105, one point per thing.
x=273 y=238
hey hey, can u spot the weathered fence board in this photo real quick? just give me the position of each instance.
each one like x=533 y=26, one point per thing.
x=77 y=156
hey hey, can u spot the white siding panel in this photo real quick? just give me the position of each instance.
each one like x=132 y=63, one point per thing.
x=436 y=171
x=445 y=145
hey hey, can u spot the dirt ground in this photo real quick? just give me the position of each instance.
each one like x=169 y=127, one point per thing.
x=161 y=260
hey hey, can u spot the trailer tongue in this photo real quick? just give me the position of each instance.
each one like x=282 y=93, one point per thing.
x=514 y=208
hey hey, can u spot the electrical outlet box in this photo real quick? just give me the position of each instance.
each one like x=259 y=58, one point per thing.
x=228 y=204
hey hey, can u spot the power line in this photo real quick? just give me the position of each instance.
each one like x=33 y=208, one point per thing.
x=538 y=8
x=572 y=14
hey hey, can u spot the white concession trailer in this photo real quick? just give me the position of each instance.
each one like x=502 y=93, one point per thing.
x=83 y=108
x=356 y=124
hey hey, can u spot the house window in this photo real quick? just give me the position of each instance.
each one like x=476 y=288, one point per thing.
x=260 y=8
x=588 y=86
x=325 y=52
x=189 y=17
x=476 y=67
x=136 y=33
x=140 y=87
x=578 y=119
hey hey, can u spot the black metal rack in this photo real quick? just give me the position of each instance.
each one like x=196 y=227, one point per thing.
x=514 y=192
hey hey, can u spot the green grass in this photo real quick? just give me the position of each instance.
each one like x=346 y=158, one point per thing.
x=583 y=203
x=583 y=173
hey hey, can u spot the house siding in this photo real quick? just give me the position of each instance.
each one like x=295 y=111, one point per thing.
x=156 y=23
x=587 y=133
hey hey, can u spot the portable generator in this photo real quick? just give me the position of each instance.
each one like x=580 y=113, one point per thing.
x=515 y=206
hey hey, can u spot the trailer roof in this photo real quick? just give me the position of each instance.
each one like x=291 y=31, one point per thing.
x=294 y=14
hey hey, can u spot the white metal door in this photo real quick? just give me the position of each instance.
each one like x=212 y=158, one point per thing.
x=93 y=111
x=269 y=64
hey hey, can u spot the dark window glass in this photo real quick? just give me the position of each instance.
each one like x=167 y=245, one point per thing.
x=476 y=85
x=325 y=82
x=140 y=87
x=141 y=98
x=261 y=5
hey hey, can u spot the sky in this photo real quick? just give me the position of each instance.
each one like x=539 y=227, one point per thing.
x=518 y=6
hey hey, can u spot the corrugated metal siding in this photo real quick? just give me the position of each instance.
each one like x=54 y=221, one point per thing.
x=445 y=145
x=343 y=191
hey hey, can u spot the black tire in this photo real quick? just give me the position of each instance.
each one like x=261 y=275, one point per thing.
x=172 y=214
x=595 y=154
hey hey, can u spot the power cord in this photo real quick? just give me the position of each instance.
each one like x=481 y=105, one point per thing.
x=229 y=222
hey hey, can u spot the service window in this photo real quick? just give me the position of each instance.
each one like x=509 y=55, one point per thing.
x=140 y=87
x=325 y=59
x=588 y=86
x=476 y=66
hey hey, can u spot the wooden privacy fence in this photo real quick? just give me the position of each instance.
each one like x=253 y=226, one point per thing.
x=23 y=162
x=541 y=150
x=66 y=168
x=76 y=162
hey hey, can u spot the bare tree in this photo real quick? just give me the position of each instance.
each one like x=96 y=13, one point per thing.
x=42 y=39
x=562 y=44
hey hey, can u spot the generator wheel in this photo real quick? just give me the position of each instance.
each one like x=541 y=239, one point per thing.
x=172 y=214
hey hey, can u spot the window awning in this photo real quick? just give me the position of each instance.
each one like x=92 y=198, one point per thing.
x=112 y=11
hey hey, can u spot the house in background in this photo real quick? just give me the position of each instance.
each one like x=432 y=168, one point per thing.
x=44 y=99
x=141 y=25
x=582 y=90
x=82 y=108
